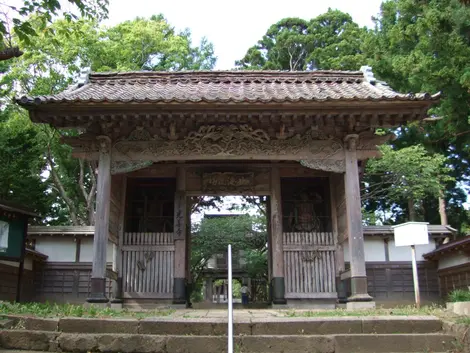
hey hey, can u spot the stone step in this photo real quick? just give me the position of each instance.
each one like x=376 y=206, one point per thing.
x=130 y=343
x=256 y=326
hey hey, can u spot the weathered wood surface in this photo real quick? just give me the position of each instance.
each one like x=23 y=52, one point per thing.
x=103 y=196
x=456 y=277
x=394 y=279
x=353 y=209
x=309 y=261
x=276 y=224
x=147 y=265
x=61 y=230
x=338 y=208
x=180 y=224
x=117 y=199
x=64 y=282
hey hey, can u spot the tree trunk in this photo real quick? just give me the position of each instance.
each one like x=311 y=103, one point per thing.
x=89 y=196
x=442 y=209
x=68 y=201
x=411 y=209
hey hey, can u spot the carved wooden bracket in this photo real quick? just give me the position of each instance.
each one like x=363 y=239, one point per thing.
x=229 y=140
x=121 y=167
x=326 y=165
x=104 y=144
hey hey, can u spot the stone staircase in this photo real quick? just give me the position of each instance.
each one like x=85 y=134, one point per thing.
x=208 y=335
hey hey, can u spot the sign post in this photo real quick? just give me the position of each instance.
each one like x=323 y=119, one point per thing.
x=230 y=304
x=412 y=234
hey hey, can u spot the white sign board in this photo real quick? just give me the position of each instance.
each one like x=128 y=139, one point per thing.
x=411 y=233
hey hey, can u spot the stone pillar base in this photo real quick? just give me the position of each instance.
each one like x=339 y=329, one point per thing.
x=98 y=291
x=116 y=306
x=179 y=291
x=341 y=290
x=360 y=305
x=278 y=290
x=359 y=290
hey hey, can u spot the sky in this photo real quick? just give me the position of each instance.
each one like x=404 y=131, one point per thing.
x=233 y=27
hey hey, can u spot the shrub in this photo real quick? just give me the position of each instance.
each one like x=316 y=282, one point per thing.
x=459 y=295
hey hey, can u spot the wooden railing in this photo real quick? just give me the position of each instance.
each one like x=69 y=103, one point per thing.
x=148 y=265
x=309 y=265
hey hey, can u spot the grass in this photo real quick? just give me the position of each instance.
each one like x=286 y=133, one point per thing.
x=459 y=295
x=463 y=320
x=69 y=310
x=399 y=311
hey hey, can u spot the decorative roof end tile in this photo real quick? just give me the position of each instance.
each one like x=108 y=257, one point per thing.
x=368 y=74
x=84 y=77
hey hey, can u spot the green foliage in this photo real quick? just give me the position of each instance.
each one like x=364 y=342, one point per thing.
x=236 y=287
x=329 y=41
x=407 y=174
x=213 y=235
x=149 y=44
x=69 y=310
x=423 y=46
x=397 y=311
x=22 y=162
x=49 y=65
x=416 y=46
x=459 y=295
x=32 y=18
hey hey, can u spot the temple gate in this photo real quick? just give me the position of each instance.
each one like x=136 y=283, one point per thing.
x=160 y=137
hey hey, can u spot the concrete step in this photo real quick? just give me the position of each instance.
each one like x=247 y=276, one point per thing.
x=257 y=326
x=130 y=343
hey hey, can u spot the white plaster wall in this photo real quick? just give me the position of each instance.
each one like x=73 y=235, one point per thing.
x=454 y=259
x=58 y=249
x=374 y=249
x=403 y=253
x=86 y=251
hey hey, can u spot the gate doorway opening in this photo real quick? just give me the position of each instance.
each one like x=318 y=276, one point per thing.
x=241 y=221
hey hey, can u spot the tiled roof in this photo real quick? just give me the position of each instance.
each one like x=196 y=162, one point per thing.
x=433 y=229
x=453 y=246
x=228 y=87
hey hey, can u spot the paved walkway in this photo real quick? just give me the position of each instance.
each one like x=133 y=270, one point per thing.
x=220 y=313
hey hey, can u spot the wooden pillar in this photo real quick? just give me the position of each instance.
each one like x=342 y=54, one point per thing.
x=278 y=285
x=179 y=284
x=354 y=222
x=339 y=253
x=209 y=294
x=117 y=263
x=100 y=240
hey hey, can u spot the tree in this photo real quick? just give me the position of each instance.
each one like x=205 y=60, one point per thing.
x=213 y=235
x=22 y=163
x=149 y=44
x=285 y=46
x=424 y=46
x=31 y=19
x=50 y=64
x=329 y=41
x=407 y=175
